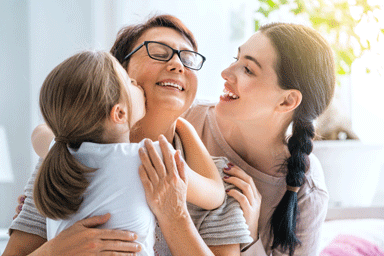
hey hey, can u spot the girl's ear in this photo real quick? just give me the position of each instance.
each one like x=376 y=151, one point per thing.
x=290 y=101
x=119 y=114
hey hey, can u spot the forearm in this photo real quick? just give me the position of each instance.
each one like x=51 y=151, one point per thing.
x=22 y=243
x=205 y=187
x=182 y=236
x=196 y=155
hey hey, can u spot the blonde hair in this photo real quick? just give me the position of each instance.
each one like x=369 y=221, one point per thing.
x=76 y=99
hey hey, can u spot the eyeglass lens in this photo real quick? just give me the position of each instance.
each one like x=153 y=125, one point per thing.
x=165 y=53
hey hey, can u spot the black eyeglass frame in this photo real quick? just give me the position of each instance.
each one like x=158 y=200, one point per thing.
x=173 y=53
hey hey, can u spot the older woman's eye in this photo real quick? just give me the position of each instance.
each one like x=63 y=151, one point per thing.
x=236 y=59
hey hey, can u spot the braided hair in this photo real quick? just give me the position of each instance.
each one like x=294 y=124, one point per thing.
x=305 y=63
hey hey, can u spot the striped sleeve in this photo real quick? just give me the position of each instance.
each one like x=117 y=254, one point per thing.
x=29 y=219
x=224 y=225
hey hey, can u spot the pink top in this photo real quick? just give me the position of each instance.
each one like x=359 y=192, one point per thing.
x=312 y=197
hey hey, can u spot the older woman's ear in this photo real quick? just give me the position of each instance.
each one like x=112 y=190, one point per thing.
x=290 y=101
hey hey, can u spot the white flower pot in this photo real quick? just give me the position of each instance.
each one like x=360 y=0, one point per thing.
x=351 y=170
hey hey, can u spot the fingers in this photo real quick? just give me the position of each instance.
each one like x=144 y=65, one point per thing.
x=243 y=186
x=21 y=199
x=180 y=165
x=94 y=221
x=155 y=159
x=169 y=160
x=148 y=167
x=145 y=179
x=118 y=235
x=239 y=173
x=122 y=247
x=18 y=209
x=241 y=198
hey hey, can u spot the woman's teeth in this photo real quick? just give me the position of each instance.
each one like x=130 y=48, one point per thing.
x=229 y=94
x=168 y=84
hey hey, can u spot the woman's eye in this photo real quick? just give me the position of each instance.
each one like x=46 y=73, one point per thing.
x=248 y=71
x=236 y=59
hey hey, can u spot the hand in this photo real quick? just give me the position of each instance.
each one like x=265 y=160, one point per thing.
x=83 y=239
x=20 y=201
x=249 y=197
x=165 y=183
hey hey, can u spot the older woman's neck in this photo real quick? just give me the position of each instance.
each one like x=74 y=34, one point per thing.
x=152 y=127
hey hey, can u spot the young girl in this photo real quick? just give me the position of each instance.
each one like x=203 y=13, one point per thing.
x=90 y=104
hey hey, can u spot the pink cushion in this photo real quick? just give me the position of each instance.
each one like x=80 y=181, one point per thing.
x=348 y=245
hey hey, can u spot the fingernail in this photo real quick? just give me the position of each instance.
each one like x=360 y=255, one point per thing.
x=226 y=177
x=227 y=190
x=227 y=168
x=20 y=207
x=22 y=199
x=230 y=164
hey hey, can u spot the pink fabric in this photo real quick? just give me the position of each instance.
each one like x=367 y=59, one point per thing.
x=348 y=245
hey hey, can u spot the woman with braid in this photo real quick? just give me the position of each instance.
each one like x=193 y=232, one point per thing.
x=284 y=74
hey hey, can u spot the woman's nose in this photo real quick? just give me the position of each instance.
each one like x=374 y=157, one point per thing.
x=228 y=75
x=175 y=64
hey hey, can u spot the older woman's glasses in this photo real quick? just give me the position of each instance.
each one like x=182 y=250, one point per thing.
x=163 y=52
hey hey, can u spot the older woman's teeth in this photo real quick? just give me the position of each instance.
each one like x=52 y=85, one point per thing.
x=171 y=85
x=229 y=94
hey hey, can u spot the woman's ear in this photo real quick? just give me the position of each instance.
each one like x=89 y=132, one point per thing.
x=119 y=114
x=290 y=101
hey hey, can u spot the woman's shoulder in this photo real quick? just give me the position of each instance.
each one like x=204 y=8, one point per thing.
x=199 y=108
x=315 y=176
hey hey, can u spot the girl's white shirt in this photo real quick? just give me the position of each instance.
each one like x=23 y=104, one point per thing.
x=115 y=188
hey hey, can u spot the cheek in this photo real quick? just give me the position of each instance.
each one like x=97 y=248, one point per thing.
x=193 y=83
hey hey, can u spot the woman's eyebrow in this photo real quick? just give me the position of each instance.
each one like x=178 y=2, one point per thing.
x=248 y=57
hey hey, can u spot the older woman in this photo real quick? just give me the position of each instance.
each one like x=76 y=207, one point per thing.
x=161 y=56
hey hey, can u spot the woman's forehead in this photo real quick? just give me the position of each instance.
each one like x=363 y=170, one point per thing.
x=166 y=35
x=259 y=46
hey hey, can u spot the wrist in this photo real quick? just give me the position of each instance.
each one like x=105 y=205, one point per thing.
x=178 y=215
x=41 y=251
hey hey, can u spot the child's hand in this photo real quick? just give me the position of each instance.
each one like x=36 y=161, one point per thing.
x=165 y=183
x=249 y=197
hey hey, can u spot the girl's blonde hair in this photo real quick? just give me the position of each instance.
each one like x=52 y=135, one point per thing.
x=76 y=99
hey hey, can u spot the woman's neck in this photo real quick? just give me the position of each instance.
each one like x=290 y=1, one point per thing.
x=261 y=146
x=151 y=126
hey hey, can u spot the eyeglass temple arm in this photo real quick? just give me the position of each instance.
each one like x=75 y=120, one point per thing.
x=129 y=55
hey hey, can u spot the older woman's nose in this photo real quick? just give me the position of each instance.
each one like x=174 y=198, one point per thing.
x=175 y=64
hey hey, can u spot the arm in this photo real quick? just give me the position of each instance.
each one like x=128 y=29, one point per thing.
x=165 y=185
x=42 y=137
x=79 y=239
x=205 y=186
x=249 y=199
x=18 y=245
